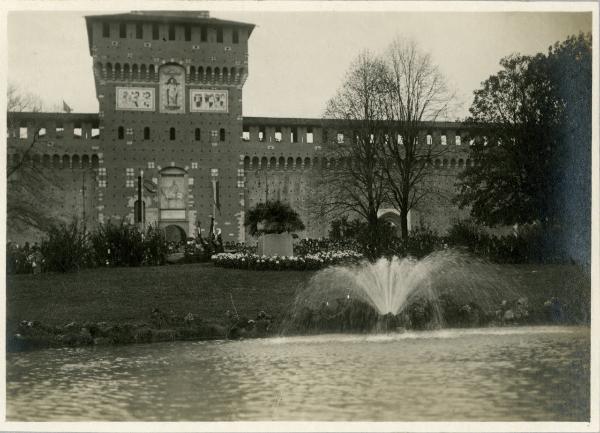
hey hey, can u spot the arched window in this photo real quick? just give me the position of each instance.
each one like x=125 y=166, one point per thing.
x=263 y=162
x=46 y=160
x=461 y=163
x=117 y=70
x=225 y=74
x=55 y=161
x=143 y=72
x=126 y=70
x=316 y=163
x=197 y=134
x=453 y=163
x=134 y=72
x=255 y=162
x=85 y=161
x=281 y=162
x=66 y=161
x=298 y=162
x=307 y=162
x=222 y=134
x=120 y=133
x=272 y=163
x=172 y=133
x=246 y=163
x=75 y=161
x=192 y=73
x=232 y=73
x=200 y=73
x=146 y=133
x=109 y=70
x=151 y=72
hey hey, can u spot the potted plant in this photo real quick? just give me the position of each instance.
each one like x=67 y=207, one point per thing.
x=273 y=222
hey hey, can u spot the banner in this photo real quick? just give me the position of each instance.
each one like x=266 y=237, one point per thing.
x=216 y=201
x=209 y=101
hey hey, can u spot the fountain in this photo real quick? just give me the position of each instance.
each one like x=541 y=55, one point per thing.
x=401 y=292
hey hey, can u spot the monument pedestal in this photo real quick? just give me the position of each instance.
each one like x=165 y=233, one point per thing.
x=275 y=244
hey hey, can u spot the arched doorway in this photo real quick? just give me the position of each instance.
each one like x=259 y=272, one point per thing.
x=174 y=233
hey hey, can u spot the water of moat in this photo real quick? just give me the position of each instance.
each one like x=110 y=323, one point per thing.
x=479 y=374
x=491 y=374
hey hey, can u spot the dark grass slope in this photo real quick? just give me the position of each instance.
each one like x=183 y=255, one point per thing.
x=121 y=295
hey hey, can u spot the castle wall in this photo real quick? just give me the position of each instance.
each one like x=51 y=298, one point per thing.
x=170 y=91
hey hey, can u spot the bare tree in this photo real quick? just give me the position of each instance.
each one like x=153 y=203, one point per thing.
x=354 y=184
x=416 y=93
x=29 y=188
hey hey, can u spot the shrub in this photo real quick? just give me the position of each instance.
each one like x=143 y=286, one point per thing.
x=155 y=247
x=273 y=217
x=65 y=247
x=118 y=245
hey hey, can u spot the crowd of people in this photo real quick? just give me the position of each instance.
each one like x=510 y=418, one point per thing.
x=23 y=259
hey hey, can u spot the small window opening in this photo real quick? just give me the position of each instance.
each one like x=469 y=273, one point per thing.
x=278 y=134
x=309 y=135
x=172 y=133
x=203 y=34
x=222 y=134
x=146 y=133
x=220 y=34
x=120 y=133
x=197 y=134
x=139 y=31
x=294 y=135
x=246 y=133
x=235 y=37
x=261 y=133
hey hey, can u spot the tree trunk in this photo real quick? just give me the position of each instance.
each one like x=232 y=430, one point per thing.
x=404 y=223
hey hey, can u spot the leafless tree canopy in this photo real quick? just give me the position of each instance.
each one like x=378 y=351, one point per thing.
x=384 y=101
x=29 y=188
x=354 y=183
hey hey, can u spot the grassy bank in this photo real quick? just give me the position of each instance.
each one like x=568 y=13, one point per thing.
x=128 y=295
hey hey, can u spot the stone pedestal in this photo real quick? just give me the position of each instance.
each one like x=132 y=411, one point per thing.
x=275 y=244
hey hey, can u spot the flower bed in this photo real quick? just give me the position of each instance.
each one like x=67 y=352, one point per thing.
x=280 y=263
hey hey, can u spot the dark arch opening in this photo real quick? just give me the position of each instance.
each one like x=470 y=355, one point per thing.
x=174 y=233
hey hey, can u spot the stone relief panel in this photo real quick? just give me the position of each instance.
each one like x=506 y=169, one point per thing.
x=135 y=99
x=172 y=89
x=209 y=101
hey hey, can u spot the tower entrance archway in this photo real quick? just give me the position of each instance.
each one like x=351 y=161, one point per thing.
x=174 y=233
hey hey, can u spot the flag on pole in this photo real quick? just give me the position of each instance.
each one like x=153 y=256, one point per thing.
x=216 y=201
x=150 y=186
x=66 y=108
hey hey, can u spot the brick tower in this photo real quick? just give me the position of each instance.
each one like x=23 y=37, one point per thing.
x=169 y=87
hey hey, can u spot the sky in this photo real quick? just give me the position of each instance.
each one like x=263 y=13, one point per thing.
x=297 y=60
